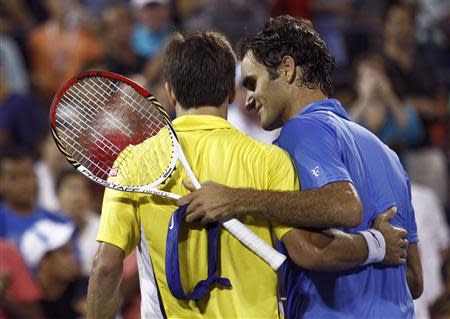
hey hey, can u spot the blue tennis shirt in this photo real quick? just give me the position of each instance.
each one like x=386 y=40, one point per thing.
x=328 y=147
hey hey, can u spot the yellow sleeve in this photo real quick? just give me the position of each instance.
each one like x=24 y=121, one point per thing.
x=119 y=221
x=282 y=177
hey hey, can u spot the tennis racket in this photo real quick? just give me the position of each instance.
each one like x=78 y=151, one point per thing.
x=117 y=134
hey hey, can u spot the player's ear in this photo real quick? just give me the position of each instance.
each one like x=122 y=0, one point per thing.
x=232 y=95
x=170 y=93
x=288 y=70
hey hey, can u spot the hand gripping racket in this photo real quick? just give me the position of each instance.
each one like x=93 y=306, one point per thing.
x=117 y=134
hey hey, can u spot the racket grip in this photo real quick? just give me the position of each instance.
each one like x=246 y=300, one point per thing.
x=266 y=252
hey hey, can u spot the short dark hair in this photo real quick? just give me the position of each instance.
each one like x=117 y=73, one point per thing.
x=13 y=153
x=285 y=35
x=200 y=68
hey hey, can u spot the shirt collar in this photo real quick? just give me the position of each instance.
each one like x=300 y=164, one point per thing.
x=200 y=122
x=331 y=105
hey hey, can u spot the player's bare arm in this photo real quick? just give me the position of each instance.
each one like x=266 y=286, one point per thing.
x=336 y=204
x=104 y=282
x=335 y=250
x=414 y=275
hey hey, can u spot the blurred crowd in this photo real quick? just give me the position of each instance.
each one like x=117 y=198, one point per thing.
x=392 y=73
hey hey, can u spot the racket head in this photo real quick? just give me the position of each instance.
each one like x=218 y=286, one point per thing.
x=114 y=131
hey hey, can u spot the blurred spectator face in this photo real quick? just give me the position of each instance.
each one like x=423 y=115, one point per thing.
x=368 y=72
x=52 y=157
x=399 y=25
x=75 y=196
x=18 y=183
x=155 y=16
x=61 y=264
x=57 y=8
x=117 y=24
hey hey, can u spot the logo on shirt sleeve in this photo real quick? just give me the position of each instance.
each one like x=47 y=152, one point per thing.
x=315 y=171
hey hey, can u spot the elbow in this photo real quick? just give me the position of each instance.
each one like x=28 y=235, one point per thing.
x=415 y=286
x=104 y=268
x=304 y=255
x=416 y=291
x=310 y=261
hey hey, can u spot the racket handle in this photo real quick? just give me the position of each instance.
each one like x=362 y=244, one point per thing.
x=254 y=243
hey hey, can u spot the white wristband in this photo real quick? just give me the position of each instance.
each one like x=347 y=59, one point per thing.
x=375 y=244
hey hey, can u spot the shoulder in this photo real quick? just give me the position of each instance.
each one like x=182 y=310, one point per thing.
x=309 y=123
x=302 y=129
x=264 y=150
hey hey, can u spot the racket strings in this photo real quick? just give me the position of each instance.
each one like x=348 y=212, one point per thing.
x=114 y=131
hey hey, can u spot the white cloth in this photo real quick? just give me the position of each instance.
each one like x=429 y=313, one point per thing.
x=252 y=129
x=44 y=236
x=47 y=197
x=434 y=238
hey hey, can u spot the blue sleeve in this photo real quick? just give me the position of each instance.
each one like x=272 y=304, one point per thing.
x=313 y=145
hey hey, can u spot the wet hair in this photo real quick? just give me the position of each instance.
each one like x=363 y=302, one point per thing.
x=200 y=68
x=288 y=36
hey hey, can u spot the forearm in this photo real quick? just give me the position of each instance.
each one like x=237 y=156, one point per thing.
x=345 y=251
x=103 y=293
x=321 y=208
x=326 y=253
x=414 y=275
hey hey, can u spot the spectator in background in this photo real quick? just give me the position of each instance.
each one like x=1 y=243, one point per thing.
x=97 y=7
x=15 y=18
x=441 y=308
x=75 y=199
x=61 y=47
x=295 y=8
x=192 y=15
x=234 y=18
x=18 y=190
x=131 y=294
x=414 y=82
x=434 y=245
x=49 y=250
x=48 y=169
x=22 y=117
x=19 y=294
x=119 y=56
x=379 y=109
x=153 y=28
x=433 y=34
x=14 y=74
x=329 y=18
x=364 y=27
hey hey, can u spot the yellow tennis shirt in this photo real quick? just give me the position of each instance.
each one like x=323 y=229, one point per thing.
x=216 y=151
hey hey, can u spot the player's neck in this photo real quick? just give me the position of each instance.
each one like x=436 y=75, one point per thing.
x=203 y=110
x=304 y=98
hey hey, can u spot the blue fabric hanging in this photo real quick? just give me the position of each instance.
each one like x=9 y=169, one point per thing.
x=173 y=264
